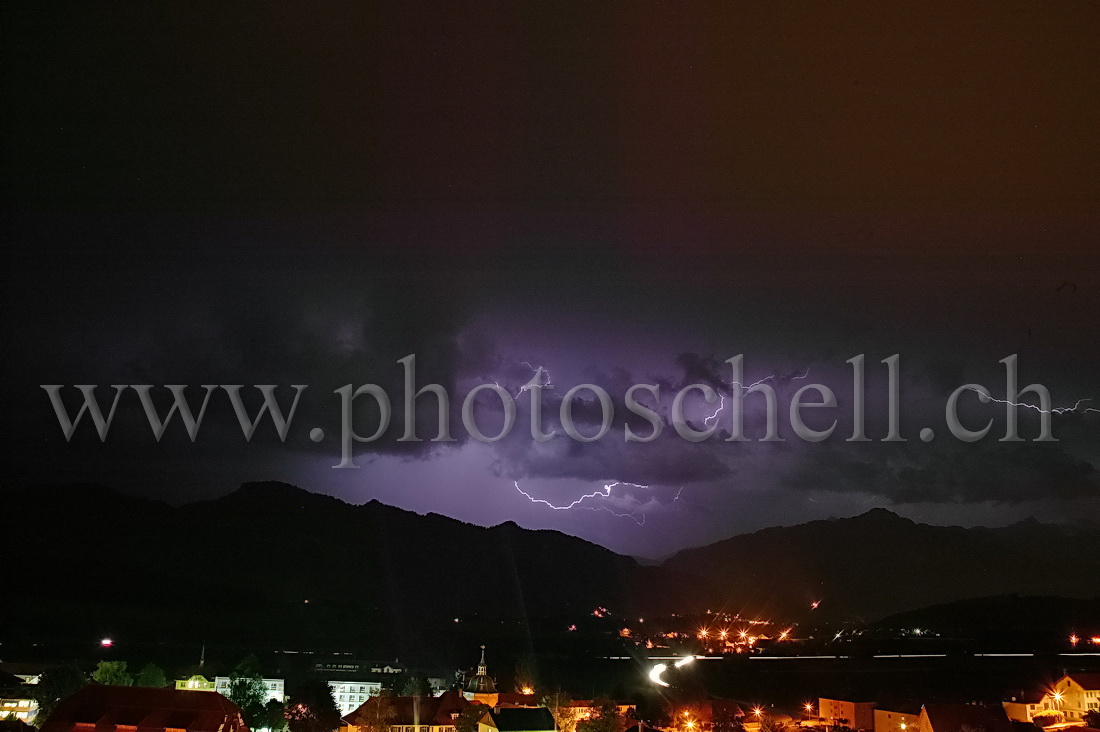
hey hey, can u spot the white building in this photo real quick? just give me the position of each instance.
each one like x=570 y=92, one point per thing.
x=276 y=688
x=1072 y=696
x=350 y=695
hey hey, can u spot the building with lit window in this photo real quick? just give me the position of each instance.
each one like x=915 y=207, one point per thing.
x=195 y=683
x=276 y=688
x=350 y=695
x=1072 y=696
x=15 y=698
x=856 y=715
x=1021 y=707
x=18 y=705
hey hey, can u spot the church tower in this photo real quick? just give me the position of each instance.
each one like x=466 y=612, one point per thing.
x=481 y=688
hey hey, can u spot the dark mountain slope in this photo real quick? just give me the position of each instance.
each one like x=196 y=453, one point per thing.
x=879 y=563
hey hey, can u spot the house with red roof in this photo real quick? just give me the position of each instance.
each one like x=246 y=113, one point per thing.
x=964 y=718
x=102 y=708
x=408 y=713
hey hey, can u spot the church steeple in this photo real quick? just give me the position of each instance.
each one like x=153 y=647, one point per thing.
x=481 y=684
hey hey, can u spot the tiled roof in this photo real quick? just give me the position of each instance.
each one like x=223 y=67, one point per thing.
x=1089 y=682
x=146 y=709
x=522 y=719
x=418 y=710
x=977 y=717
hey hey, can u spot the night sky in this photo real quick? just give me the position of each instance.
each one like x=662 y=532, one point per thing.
x=620 y=194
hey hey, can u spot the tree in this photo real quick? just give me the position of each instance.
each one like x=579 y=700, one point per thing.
x=566 y=716
x=273 y=717
x=151 y=675
x=1047 y=717
x=250 y=694
x=606 y=718
x=56 y=684
x=416 y=685
x=312 y=709
x=376 y=713
x=112 y=673
x=1092 y=719
x=470 y=716
x=248 y=691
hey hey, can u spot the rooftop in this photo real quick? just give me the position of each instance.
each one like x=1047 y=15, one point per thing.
x=108 y=707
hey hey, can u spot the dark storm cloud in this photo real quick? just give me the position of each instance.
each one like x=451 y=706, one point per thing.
x=961 y=473
x=292 y=196
x=669 y=461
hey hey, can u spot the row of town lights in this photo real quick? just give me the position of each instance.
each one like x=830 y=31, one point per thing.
x=1074 y=640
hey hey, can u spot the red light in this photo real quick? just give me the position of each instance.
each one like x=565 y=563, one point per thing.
x=106 y=643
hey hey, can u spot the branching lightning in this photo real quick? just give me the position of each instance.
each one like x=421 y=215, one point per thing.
x=540 y=378
x=536 y=378
x=604 y=492
x=710 y=421
x=1054 y=410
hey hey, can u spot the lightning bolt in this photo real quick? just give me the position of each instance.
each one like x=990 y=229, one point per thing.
x=540 y=377
x=1054 y=410
x=712 y=419
x=536 y=379
x=604 y=492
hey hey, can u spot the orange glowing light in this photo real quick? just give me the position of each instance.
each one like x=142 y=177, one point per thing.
x=809 y=706
x=704 y=633
x=527 y=690
x=1073 y=639
x=757 y=711
x=1096 y=639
